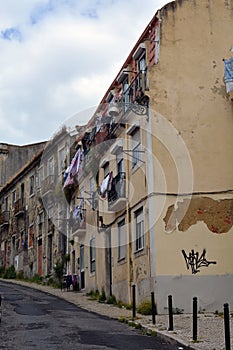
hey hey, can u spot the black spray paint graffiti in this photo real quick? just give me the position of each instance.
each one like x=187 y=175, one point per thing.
x=195 y=261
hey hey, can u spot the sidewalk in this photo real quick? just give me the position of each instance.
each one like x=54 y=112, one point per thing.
x=210 y=326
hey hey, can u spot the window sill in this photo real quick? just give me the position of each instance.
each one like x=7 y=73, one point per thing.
x=121 y=261
x=139 y=252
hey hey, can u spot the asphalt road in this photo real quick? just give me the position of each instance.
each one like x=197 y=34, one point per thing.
x=35 y=320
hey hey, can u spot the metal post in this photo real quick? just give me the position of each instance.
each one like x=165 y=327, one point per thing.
x=170 y=310
x=0 y=308
x=134 y=300
x=227 y=327
x=195 y=318
x=153 y=306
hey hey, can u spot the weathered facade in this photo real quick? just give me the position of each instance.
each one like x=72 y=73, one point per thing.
x=175 y=194
x=33 y=230
x=13 y=158
x=147 y=198
x=20 y=202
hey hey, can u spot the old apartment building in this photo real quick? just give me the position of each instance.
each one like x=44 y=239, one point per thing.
x=146 y=197
x=13 y=158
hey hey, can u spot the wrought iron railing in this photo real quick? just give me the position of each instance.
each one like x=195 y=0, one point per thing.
x=118 y=188
x=19 y=206
x=4 y=218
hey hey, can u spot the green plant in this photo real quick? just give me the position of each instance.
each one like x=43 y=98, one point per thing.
x=2 y=271
x=20 y=275
x=10 y=273
x=123 y=305
x=66 y=258
x=102 y=296
x=37 y=279
x=145 y=307
x=94 y=295
x=111 y=300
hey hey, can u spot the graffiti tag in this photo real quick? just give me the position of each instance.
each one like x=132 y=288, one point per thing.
x=195 y=260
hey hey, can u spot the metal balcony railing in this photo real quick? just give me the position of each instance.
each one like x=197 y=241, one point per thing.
x=19 y=207
x=4 y=218
x=117 y=190
x=78 y=226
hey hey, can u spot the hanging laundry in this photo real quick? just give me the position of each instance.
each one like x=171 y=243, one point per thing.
x=106 y=185
x=228 y=74
x=78 y=212
x=66 y=173
x=73 y=169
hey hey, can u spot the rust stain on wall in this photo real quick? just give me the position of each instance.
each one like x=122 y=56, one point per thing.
x=216 y=214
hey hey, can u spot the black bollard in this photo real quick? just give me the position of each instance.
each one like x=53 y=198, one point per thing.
x=153 y=306
x=170 y=310
x=134 y=300
x=195 y=319
x=227 y=327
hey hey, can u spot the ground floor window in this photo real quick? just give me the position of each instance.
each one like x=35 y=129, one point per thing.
x=139 y=230
x=92 y=255
x=121 y=240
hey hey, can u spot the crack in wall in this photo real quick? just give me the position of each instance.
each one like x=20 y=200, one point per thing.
x=216 y=214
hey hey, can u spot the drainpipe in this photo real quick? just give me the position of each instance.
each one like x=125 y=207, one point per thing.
x=151 y=207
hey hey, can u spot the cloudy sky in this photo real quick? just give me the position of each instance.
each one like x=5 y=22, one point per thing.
x=58 y=57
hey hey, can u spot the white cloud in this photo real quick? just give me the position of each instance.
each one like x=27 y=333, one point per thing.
x=60 y=57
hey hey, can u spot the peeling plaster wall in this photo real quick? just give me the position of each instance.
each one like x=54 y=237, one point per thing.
x=216 y=214
x=193 y=256
x=193 y=238
x=187 y=88
x=195 y=232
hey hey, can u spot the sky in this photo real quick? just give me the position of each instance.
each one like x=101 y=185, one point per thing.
x=58 y=58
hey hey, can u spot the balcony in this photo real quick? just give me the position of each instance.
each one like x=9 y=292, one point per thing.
x=4 y=218
x=50 y=225
x=117 y=196
x=78 y=227
x=19 y=207
x=48 y=185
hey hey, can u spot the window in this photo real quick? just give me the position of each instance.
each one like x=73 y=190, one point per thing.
x=61 y=160
x=40 y=223
x=126 y=93
x=51 y=170
x=121 y=240
x=120 y=163
x=22 y=191
x=31 y=185
x=13 y=197
x=92 y=192
x=31 y=236
x=50 y=213
x=106 y=169
x=136 y=147
x=92 y=254
x=139 y=230
x=6 y=204
x=40 y=177
x=142 y=68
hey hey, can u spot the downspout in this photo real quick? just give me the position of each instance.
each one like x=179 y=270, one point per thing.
x=151 y=208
